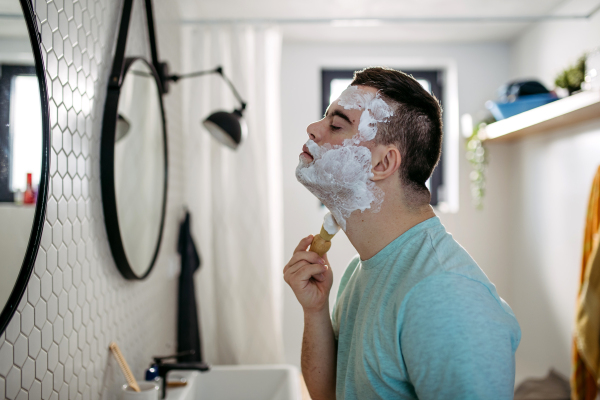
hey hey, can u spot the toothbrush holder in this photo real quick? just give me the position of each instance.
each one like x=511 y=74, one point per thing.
x=149 y=391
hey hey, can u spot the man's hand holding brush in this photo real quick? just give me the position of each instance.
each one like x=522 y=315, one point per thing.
x=310 y=277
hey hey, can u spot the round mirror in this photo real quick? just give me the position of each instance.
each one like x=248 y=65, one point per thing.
x=134 y=169
x=24 y=152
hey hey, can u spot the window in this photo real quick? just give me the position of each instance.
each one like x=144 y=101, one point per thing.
x=20 y=129
x=335 y=81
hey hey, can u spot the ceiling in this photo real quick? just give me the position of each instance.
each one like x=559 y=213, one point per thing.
x=289 y=14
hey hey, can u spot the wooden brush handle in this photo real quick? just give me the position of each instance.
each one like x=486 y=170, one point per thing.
x=321 y=243
x=124 y=367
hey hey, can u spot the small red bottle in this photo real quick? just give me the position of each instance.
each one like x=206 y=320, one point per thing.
x=28 y=196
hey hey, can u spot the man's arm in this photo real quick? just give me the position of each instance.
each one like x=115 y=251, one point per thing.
x=319 y=354
x=311 y=279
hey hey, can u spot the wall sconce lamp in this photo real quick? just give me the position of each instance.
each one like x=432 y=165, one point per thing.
x=228 y=128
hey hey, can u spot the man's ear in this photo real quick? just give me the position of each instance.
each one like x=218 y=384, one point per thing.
x=386 y=161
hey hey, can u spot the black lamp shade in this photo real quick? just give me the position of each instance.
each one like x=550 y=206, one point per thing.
x=229 y=128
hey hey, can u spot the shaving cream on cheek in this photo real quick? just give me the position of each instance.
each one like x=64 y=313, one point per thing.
x=340 y=175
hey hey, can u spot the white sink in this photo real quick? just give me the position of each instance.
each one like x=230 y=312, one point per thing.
x=237 y=382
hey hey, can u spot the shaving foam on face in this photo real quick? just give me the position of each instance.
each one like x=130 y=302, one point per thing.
x=330 y=225
x=375 y=110
x=340 y=175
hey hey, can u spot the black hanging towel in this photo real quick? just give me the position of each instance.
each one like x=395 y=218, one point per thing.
x=188 y=328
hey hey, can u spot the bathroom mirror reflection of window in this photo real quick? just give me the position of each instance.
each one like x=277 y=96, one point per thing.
x=20 y=167
x=25 y=127
x=334 y=82
x=20 y=139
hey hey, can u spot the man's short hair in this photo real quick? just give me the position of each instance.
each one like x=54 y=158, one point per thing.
x=415 y=128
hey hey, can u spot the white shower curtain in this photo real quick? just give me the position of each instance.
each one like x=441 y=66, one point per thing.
x=235 y=197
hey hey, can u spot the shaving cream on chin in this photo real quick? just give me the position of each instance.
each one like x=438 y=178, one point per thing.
x=340 y=176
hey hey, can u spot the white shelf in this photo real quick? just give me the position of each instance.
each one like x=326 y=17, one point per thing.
x=561 y=113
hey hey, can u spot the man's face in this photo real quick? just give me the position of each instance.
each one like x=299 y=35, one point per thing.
x=338 y=125
x=335 y=164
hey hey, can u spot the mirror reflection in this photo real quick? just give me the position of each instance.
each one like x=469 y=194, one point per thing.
x=20 y=144
x=139 y=166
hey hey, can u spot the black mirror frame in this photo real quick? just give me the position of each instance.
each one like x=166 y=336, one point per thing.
x=107 y=173
x=42 y=198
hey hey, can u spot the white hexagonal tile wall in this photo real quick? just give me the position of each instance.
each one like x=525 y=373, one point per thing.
x=47 y=385
x=47 y=336
x=27 y=319
x=41 y=365
x=13 y=383
x=27 y=374
x=6 y=358
x=35 y=342
x=76 y=302
x=33 y=291
x=35 y=392
x=40 y=313
x=13 y=329
x=20 y=351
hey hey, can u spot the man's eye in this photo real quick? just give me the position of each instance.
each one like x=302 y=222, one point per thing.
x=335 y=128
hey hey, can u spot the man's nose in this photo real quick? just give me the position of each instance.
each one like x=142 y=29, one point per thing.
x=314 y=132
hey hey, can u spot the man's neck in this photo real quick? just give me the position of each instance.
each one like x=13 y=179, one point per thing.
x=370 y=232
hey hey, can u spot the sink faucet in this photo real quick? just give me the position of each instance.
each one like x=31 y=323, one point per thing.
x=164 y=368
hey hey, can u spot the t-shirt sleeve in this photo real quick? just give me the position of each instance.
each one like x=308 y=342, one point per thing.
x=457 y=340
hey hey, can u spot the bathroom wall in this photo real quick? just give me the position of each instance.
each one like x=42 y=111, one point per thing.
x=481 y=68
x=551 y=177
x=56 y=345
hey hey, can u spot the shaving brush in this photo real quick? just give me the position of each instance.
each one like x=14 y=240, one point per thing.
x=322 y=242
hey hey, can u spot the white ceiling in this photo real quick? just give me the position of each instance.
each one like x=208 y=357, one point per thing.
x=278 y=11
x=216 y=9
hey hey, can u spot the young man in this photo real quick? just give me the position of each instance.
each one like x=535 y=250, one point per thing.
x=415 y=317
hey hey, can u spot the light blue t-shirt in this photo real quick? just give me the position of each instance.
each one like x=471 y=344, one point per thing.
x=421 y=320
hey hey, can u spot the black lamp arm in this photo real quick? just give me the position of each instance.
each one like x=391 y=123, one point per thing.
x=217 y=70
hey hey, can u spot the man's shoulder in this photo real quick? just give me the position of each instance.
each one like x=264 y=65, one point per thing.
x=455 y=286
x=453 y=299
x=454 y=328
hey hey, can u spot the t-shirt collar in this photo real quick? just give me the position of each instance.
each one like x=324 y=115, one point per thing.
x=395 y=244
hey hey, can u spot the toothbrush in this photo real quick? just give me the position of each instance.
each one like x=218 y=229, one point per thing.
x=124 y=367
